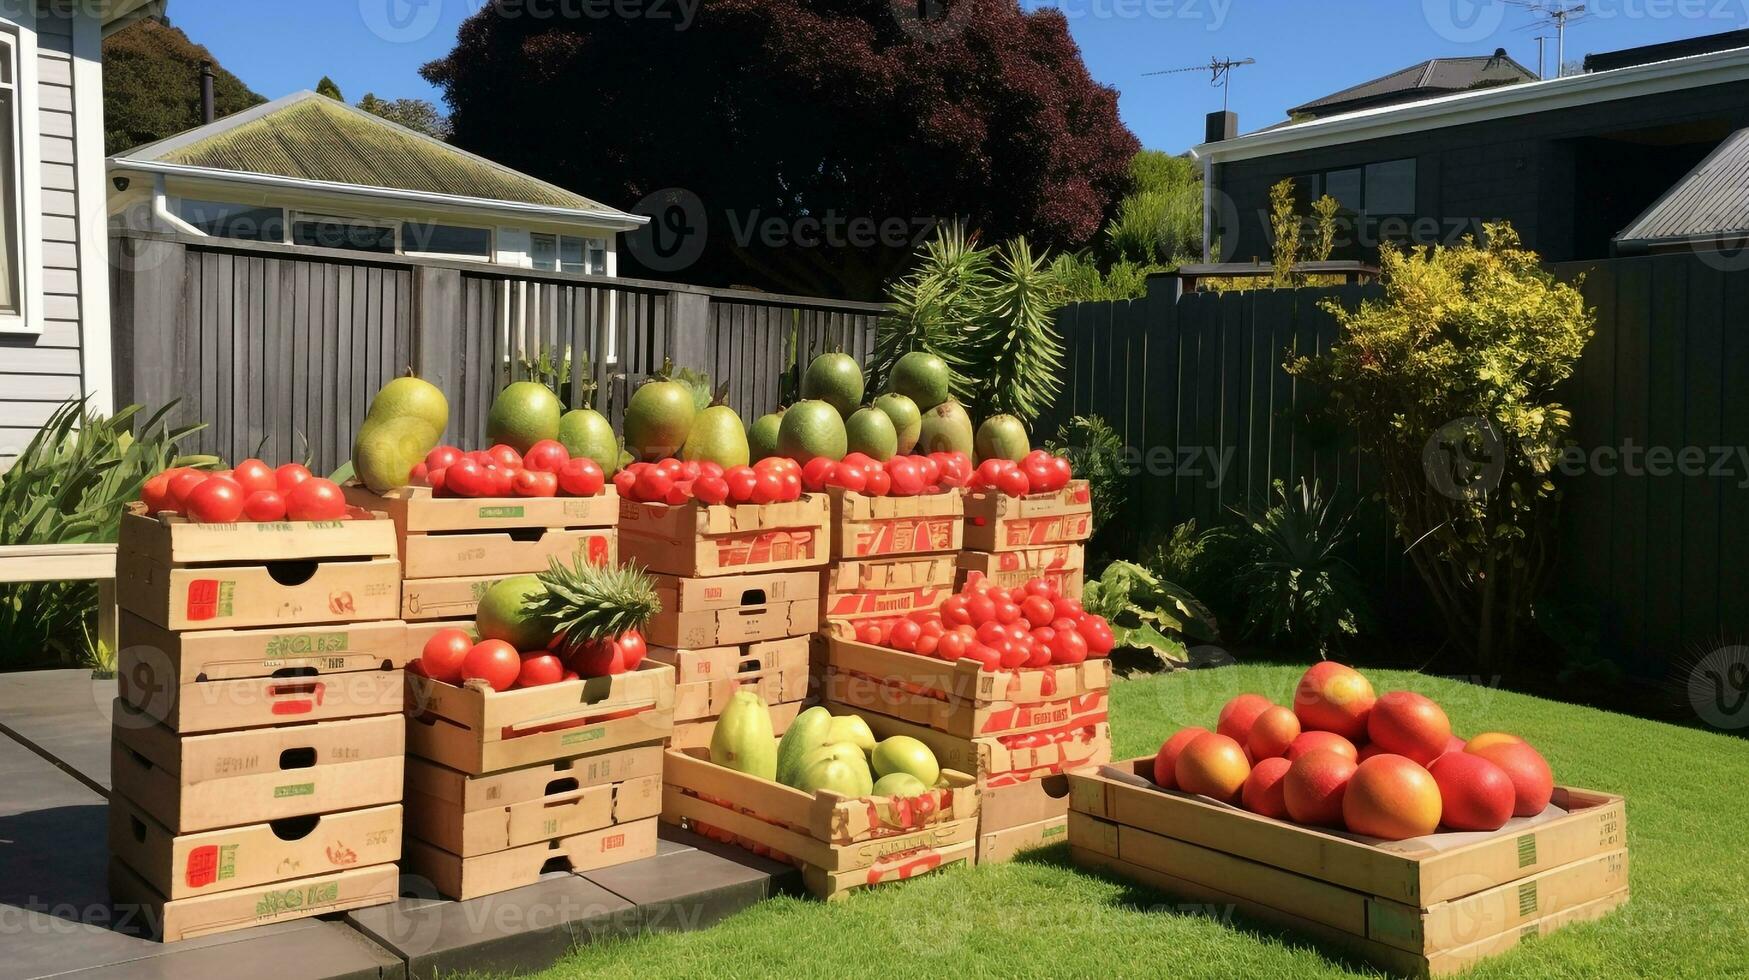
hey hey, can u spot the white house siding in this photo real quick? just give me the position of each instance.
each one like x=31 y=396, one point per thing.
x=70 y=356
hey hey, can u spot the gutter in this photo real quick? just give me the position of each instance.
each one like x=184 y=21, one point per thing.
x=161 y=209
x=611 y=219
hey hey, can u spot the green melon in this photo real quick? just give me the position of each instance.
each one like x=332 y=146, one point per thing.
x=870 y=431
x=835 y=379
x=946 y=429
x=524 y=413
x=907 y=419
x=503 y=614
x=840 y=776
x=762 y=435
x=386 y=450
x=809 y=429
x=852 y=729
x=742 y=738
x=806 y=733
x=904 y=754
x=658 y=419
x=901 y=784
x=411 y=396
x=1002 y=437
x=922 y=377
x=586 y=432
x=717 y=436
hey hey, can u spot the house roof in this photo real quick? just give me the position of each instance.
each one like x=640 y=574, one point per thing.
x=322 y=142
x=1710 y=203
x=1480 y=105
x=1648 y=53
x=1438 y=76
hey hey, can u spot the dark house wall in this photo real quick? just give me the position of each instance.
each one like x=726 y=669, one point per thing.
x=1567 y=179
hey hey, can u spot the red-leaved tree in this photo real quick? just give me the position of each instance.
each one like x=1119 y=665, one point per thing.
x=816 y=140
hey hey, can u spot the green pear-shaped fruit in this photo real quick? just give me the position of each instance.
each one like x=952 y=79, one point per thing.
x=901 y=784
x=586 y=432
x=806 y=733
x=386 y=450
x=717 y=436
x=904 y=754
x=411 y=396
x=946 y=429
x=762 y=436
x=742 y=739
x=835 y=379
x=524 y=413
x=658 y=419
x=852 y=729
x=870 y=431
x=907 y=419
x=841 y=776
x=1002 y=437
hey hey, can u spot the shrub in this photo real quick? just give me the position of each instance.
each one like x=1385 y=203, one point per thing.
x=1449 y=383
x=1148 y=612
x=1292 y=580
x=1096 y=453
x=70 y=486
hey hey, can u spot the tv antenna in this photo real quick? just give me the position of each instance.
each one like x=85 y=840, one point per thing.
x=1556 y=14
x=1220 y=73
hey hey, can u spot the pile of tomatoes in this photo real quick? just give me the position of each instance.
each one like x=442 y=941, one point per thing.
x=900 y=476
x=251 y=491
x=774 y=479
x=1002 y=629
x=546 y=470
x=1037 y=472
x=453 y=657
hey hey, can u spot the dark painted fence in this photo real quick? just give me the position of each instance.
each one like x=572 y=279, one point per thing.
x=1651 y=548
x=280 y=348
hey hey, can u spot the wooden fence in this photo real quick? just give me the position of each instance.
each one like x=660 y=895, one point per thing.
x=279 y=348
x=1647 y=540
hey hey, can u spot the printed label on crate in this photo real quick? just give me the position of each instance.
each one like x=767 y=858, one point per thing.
x=904 y=535
x=582 y=736
x=305 y=644
x=209 y=598
x=210 y=863
x=902 y=866
x=292 y=899
x=894 y=602
x=294 y=789
x=500 y=511
x=1021 y=532
x=767 y=546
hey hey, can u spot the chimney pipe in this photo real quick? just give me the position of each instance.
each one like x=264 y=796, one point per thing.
x=1221 y=126
x=206 y=92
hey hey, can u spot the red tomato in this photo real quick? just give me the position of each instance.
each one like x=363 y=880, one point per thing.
x=679 y=493
x=906 y=476
x=818 y=473
x=1038 y=654
x=217 y=500
x=503 y=480
x=999 y=595
x=671 y=467
x=767 y=487
x=156 y=493
x=442 y=655
x=545 y=456
x=505 y=456
x=1013 y=482
x=689 y=471
x=1039 y=587
x=535 y=483
x=581 y=477
x=482 y=457
x=878 y=482
x=1097 y=632
x=493 y=661
x=264 y=505
x=624 y=480
x=652 y=485
x=315 y=499
x=540 y=668
x=1037 y=467
x=741 y=480
x=852 y=478
x=467 y=478
x=632 y=648
x=868 y=633
x=988 y=659
x=1007 y=612
x=927 y=645
x=253 y=475
x=1061 y=473
x=1067 y=647
x=442 y=458
x=290 y=475
x=598 y=658
x=711 y=489
x=930 y=467
x=183 y=483
x=1011 y=653
x=708 y=467
x=951 y=646
x=421 y=474
x=980 y=608
x=954 y=610
x=792 y=486
x=1038 y=610
x=904 y=635
x=1067 y=608
x=990 y=471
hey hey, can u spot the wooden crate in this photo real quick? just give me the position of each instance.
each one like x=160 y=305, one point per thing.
x=464 y=878
x=734 y=609
x=696 y=734
x=172 y=920
x=224 y=779
x=966 y=719
x=1006 y=844
x=1062 y=565
x=965 y=680
x=881 y=588
x=415 y=510
x=1431 y=905
x=207 y=680
x=476 y=730
x=696 y=539
x=777 y=670
x=998 y=522
x=870 y=527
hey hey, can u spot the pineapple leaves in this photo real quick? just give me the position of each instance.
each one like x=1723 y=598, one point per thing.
x=584 y=601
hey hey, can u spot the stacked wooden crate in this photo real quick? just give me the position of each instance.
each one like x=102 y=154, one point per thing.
x=891 y=556
x=454 y=548
x=740 y=592
x=258 y=738
x=1012 y=540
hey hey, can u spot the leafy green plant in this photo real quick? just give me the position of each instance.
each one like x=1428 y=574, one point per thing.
x=1148 y=612
x=567 y=374
x=70 y=485
x=935 y=307
x=1096 y=453
x=1450 y=383
x=1293 y=581
x=1159 y=221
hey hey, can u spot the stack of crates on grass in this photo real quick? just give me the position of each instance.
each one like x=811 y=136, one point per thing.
x=1012 y=540
x=1016 y=732
x=740 y=591
x=454 y=548
x=841 y=845
x=503 y=786
x=891 y=556
x=258 y=735
x=1427 y=906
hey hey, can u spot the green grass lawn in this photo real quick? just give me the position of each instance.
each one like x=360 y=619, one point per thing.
x=1688 y=796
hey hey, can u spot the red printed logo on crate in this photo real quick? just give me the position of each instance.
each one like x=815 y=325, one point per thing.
x=1080 y=493
x=905 y=534
x=902 y=866
x=765 y=547
x=613 y=842
x=905 y=812
x=313 y=692
x=341 y=603
x=202 y=868
x=868 y=603
x=208 y=598
x=1045 y=530
x=1088 y=709
x=598 y=550
x=1014 y=561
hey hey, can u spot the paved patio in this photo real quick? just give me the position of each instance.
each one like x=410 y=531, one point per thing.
x=56 y=921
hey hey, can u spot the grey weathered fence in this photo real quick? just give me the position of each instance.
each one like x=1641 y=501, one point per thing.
x=1650 y=546
x=279 y=348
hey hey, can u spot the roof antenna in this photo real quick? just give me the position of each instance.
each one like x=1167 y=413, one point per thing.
x=1558 y=14
x=1220 y=74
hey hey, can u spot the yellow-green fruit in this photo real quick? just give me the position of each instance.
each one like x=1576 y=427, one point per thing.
x=907 y=419
x=921 y=377
x=904 y=754
x=839 y=776
x=411 y=396
x=586 y=432
x=503 y=614
x=762 y=436
x=852 y=729
x=806 y=733
x=809 y=429
x=946 y=429
x=658 y=420
x=524 y=413
x=717 y=436
x=1002 y=437
x=386 y=450
x=835 y=379
x=847 y=751
x=901 y=784
x=870 y=431
x=742 y=739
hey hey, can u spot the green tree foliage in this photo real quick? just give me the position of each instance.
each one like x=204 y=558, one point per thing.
x=151 y=85
x=326 y=86
x=415 y=114
x=1159 y=220
x=1449 y=383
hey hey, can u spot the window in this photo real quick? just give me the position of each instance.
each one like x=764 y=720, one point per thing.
x=1346 y=187
x=244 y=221
x=11 y=269
x=432 y=239
x=567 y=253
x=353 y=234
x=1390 y=187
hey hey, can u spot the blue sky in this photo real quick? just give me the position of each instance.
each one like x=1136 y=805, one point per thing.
x=1304 y=48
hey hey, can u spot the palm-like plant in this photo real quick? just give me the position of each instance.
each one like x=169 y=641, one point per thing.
x=936 y=308
x=1296 y=584
x=1016 y=348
